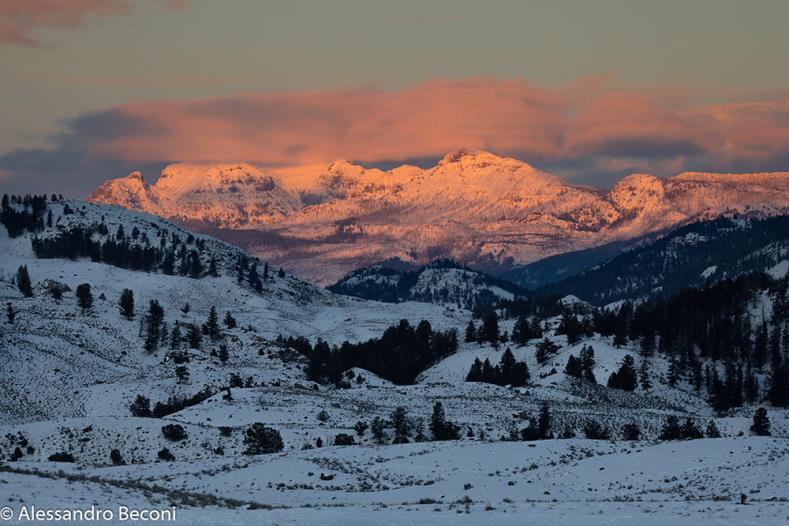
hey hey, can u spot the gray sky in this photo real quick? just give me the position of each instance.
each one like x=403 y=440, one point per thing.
x=102 y=54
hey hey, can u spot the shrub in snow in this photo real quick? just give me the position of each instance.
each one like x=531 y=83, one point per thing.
x=631 y=431
x=595 y=431
x=61 y=457
x=141 y=406
x=116 y=457
x=165 y=455
x=343 y=439
x=260 y=439
x=174 y=432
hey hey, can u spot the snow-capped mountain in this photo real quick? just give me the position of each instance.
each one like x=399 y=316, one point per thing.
x=442 y=281
x=473 y=207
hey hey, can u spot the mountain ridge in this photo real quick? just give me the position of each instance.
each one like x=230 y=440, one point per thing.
x=472 y=206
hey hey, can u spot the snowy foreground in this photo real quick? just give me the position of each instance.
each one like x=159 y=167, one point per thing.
x=548 y=482
x=67 y=379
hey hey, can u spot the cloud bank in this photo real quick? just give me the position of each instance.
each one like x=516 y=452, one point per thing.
x=20 y=20
x=584 y=133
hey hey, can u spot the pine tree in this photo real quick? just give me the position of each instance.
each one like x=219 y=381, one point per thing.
x=712 y=430
x=471 y=332
x=751 y=384
x=84 y=296
x=507 y=368
x=671 y=429
x=573 y=367
x=377 y=428
x=587 y=363
x=490 y=327
x=545 y=349
x=777 y=392
x=230 y=321
x=127 y=304
x=441 y=428
x=489 y=374
x=360 y=427
x=194 y=336
x=647 y=345
x=643 y=376
x=673 y=371
x=212 y=325
x=402 y=429
x=212 y=270
x=153 y=322
x=224 y=355
x=761 y=423
x=760 y=345
x=625 y=377
x=689 y=430
x=475 y=372
x=544 y=422
x=252 y=275
x=175 y=337
x=182 y=374
x=23 y=281
x=10 y=313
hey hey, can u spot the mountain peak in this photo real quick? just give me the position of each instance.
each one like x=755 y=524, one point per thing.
x=469 y=155
x=136 y=176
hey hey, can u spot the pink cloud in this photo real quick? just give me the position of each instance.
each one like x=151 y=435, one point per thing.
x=581 y=132
x=427 y=120
x=20 y=20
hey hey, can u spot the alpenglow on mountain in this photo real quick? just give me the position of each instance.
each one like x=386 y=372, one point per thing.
x=322 y=221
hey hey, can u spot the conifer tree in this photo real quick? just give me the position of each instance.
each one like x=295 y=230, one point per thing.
x=471 y=332
x=175 y=337
x=643 y=376
x=625 y=377
x=507 y=368
x=10 y=313
x=402 y=428
x=474 y=373
x=230 y=321
x=23 y=281
x=126 y=304
x=573 y=367
x=84 y=296
x=544 y=422
x=194 y=336
x=712 y=430
x=212 y=325
x=441 y=428
x=761 y=422
x=671 y=429
x=490 y=327
x=377 y=428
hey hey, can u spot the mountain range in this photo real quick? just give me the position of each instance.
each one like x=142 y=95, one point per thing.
x=474 y=207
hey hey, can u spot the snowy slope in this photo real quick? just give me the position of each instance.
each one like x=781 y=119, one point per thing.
x=442 y=282
x=69 y=376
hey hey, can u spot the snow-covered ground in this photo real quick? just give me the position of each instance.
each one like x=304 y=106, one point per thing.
x=68 y=378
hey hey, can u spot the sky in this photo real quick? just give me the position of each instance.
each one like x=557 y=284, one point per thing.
x=592 y=91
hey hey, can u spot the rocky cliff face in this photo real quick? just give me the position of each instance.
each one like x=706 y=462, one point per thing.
x=475 y=207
